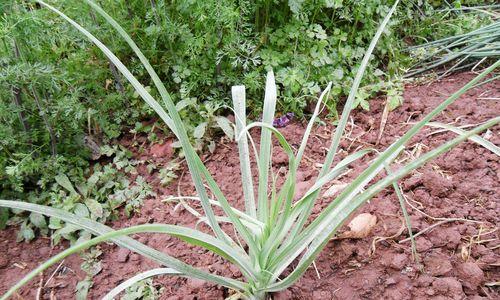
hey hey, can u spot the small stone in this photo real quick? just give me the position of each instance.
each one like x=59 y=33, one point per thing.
x=437 y=185
x=430 y=292
x=135 y=257
x=412 y=182
x=471 y=275
x=234 y=270
x=142 y=220
x=449 y=237
x=360 y=226
x=143 y=239
x=122 y=255
x=301 y=188
x=280 y=157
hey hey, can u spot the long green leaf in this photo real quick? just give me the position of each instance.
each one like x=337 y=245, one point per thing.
x=339 y=131
x=191 y=156
x=239 y=103
x=190 y=235
x=277 y=236
x=139 y=277
x=265 y=146
x=126 y=242
x=475 y=138
x=173 y=120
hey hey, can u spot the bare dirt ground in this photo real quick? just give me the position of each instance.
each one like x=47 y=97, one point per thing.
x=458 y=259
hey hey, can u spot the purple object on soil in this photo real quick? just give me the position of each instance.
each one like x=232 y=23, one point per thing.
x=283 y=120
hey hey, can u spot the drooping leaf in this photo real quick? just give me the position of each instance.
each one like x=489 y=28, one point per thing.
x=226 y=126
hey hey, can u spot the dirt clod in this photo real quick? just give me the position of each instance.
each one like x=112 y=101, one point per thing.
x=449 y=237
x=322 y=295
x=470 y=275
x=196 y=283
x=437 y=184
x=448 y=286
x=423 y=244
x=283 y=295
x=437 y=265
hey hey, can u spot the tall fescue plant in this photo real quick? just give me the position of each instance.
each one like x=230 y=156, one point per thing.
x=274 y=230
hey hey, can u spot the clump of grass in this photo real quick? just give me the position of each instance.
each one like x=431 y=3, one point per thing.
x=458 y=52
x=272 y=231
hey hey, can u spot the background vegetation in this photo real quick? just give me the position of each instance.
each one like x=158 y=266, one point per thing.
x=61 y=99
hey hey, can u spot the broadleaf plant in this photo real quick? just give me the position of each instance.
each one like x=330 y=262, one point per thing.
x=274 y=230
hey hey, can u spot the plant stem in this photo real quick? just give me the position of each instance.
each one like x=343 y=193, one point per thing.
x=260 y=295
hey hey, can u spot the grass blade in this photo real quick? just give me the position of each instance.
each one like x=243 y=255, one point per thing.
x=265 y=146
x=194 y=162
x=401 y=199
x=139 y=277
x=239 y=103
x=191 y=236
x=339 y=131
x=475 y=138
x=126 y=242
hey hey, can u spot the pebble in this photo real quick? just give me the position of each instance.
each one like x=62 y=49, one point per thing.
x=44 y=251
x=424 y=280
x=390 y=281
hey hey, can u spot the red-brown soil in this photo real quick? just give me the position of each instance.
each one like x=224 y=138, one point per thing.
x=463 y=183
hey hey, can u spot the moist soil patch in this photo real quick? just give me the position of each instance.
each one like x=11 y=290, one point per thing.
x=457 y=258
